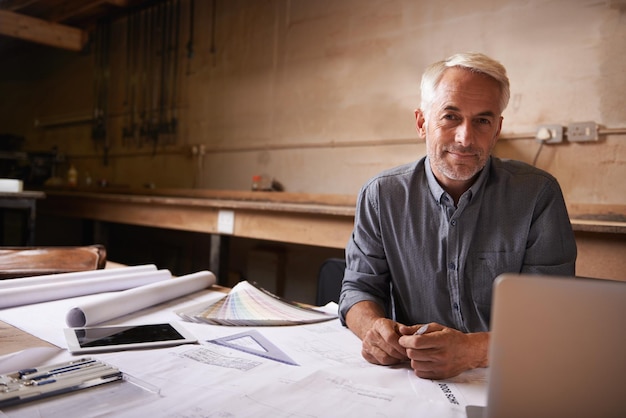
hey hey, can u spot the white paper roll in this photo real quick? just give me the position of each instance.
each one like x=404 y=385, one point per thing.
x=67 y=289
x=78 y=275
x=132 y=300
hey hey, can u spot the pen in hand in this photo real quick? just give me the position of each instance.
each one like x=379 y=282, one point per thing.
x=421 y=330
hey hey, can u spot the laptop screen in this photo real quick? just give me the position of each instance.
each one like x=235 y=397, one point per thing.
x=557 y=348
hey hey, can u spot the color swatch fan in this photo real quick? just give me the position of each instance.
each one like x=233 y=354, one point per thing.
x=247 y=304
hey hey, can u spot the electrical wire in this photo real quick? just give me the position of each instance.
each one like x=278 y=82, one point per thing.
x=541 y=144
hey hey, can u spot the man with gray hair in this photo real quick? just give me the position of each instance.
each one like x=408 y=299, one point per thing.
x=431 y=236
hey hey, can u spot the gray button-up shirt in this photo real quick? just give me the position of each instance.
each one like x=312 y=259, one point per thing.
x=425 y=260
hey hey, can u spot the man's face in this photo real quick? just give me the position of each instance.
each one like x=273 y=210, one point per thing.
x=461 y=126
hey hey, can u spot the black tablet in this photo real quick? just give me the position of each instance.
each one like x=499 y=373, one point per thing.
x=126 y=337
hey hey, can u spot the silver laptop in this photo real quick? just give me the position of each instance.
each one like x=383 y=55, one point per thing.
x=557 y=348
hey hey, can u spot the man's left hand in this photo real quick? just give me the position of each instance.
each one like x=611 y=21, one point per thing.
x=443 y=352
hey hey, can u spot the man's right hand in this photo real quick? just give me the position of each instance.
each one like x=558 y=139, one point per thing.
x=380 y=344
x=379 y=335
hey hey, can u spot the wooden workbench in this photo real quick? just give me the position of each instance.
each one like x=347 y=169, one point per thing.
x=298 y=218
x=301 y=218
x=319 y=220
x=308 y=219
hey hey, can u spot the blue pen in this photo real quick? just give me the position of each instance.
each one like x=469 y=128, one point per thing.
x=29 y=374
x=56 y=366
x=44 y=382
x=27 y=371
x=71 y=373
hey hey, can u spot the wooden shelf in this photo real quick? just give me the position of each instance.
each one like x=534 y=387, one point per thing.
x=609 y=219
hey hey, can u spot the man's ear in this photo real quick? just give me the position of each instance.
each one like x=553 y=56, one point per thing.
x=420 y=123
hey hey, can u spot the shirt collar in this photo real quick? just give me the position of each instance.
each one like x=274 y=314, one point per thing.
x=440 y=194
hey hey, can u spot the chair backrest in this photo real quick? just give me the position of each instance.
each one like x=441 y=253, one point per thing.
x=329 y=280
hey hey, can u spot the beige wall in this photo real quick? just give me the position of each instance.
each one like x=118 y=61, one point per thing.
x=318 y=93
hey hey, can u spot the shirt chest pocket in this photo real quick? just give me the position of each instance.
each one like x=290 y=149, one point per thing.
x=485 y=266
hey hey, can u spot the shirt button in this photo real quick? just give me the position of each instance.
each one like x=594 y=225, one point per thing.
x=456 y=306
x=451 y=266
x=453 y=222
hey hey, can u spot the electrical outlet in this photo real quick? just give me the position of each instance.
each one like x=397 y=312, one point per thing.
x=582 y=132
x=549 y=134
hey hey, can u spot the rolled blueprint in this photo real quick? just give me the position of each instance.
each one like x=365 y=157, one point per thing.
x=17 y=296
x=132 y=300
x=78 y=275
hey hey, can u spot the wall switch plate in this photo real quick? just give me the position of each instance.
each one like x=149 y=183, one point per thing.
x=226 y=222
x=582 y=132
x=549 y=134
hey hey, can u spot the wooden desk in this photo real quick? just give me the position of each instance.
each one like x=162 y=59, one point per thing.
x=14 y=339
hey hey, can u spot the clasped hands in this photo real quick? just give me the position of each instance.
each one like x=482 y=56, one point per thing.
x=438 y=353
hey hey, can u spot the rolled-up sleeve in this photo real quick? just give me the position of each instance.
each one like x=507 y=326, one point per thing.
x=367 y=273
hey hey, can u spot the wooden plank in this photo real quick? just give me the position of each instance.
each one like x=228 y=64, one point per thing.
x=277 y=204
x=40 y=31
x=600 y=212
x=281 y=222
x=608 y=227
x=238 y=195
x=296 y=228
x=143 y=213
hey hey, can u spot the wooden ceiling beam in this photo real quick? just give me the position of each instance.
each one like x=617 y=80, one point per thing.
x=80 y=7
x=40 y=31
x=17 y=4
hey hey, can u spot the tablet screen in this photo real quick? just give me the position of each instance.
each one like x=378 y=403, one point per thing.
x=132 y=334
x=123 y=337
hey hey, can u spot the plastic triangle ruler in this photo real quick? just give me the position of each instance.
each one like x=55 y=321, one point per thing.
x=253 y=342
